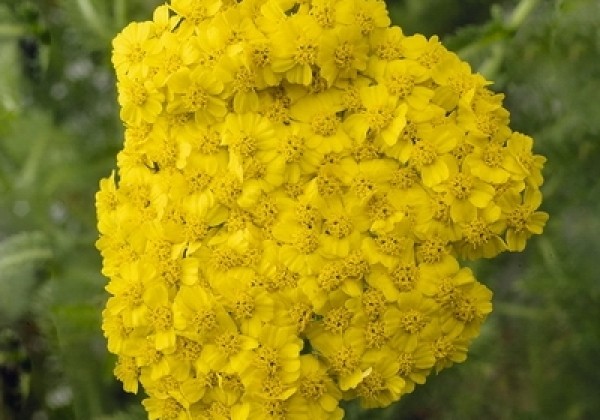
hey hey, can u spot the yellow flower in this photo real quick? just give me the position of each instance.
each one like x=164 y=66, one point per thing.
x=382 y=385
x=403 y=277
x=521 y=218
x=171 y=54
x=415 y=360
x=488 y=161
x=258 y=50
x=383 y=116
x=196 y=91
x=455 y=79
x=278 y=354
x=483 y=116
x=481 y=235
x=296 y=49
x=366 y=15
x=343 y=224
x=128 y=289
x=525 y=163
x=463 y=302
x=426 y=52
x=403 y=78
x=126 y=371
x=227 y=349
x=343 y=354
x=317 y=395
x=240 y=80
x=300 y=159
x=140 y=101
x=448 y=349
x=195 y=12
x=412 y=316
x=320 y=123
x=464 y=194
x=300 y=250
x=159 y=316
x=430 y=157
x=168 y=408
x=131 y=49
x=342 y=54
x=299 y=187
x=249 y=136
x=197 y=314
x=251 y=307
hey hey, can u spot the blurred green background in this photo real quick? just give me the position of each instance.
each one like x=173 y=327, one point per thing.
x=59 y=134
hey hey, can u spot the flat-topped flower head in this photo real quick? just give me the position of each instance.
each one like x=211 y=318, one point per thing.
x=299 y=188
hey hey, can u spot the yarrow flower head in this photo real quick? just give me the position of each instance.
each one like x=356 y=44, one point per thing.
x=299 y=185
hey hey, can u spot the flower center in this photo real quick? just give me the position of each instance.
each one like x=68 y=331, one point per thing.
x=138 y=93
x=432 y=250
x=477 y=233
x=371 y=386
x=227 y=189
x=493 y=156
x=261 y=54
x=204 y=321
x=407 y=364
x=464 y=309
x=375 y=336
x=423 y=154
x=393 y=244
x=401 y=85
x=517 y=218
x=301 y=314
x=379 y=118
x=338 y=226
x=442 y=348
x=190 y=350
x=343 y=56
x=171 y=409
x=195 y=99
x=364 y=21
x=325 y=124
x=337 y=320
x=229 y=343
x=312 y=388
x=461 y=186
x=324 y=15
x=243 y=306
x=306 y=242
x=244 y=80
x=244 y=145
x=292 y=148
x=413 y=321
x=267 y=360
x=306 y=52
x=161 y=318
x=373 y=302
x=344 y=361
x=405 y=277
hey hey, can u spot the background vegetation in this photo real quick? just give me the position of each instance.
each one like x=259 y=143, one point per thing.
x=59 y=134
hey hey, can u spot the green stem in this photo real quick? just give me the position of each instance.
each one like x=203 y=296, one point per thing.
x=120 y=13
x=92 y=18
x=520 y=13
x=489 y=68
x=32 y=164
x=8 y=30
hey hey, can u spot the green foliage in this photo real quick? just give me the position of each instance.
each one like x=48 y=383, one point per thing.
x=20 y=257
x=59 y=134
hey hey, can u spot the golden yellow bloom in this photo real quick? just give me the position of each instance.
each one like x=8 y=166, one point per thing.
x=299 y=187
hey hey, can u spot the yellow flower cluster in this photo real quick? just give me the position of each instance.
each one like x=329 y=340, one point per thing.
x=298 y=184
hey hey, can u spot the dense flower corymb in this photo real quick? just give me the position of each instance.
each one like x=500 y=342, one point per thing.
x=298 y=186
